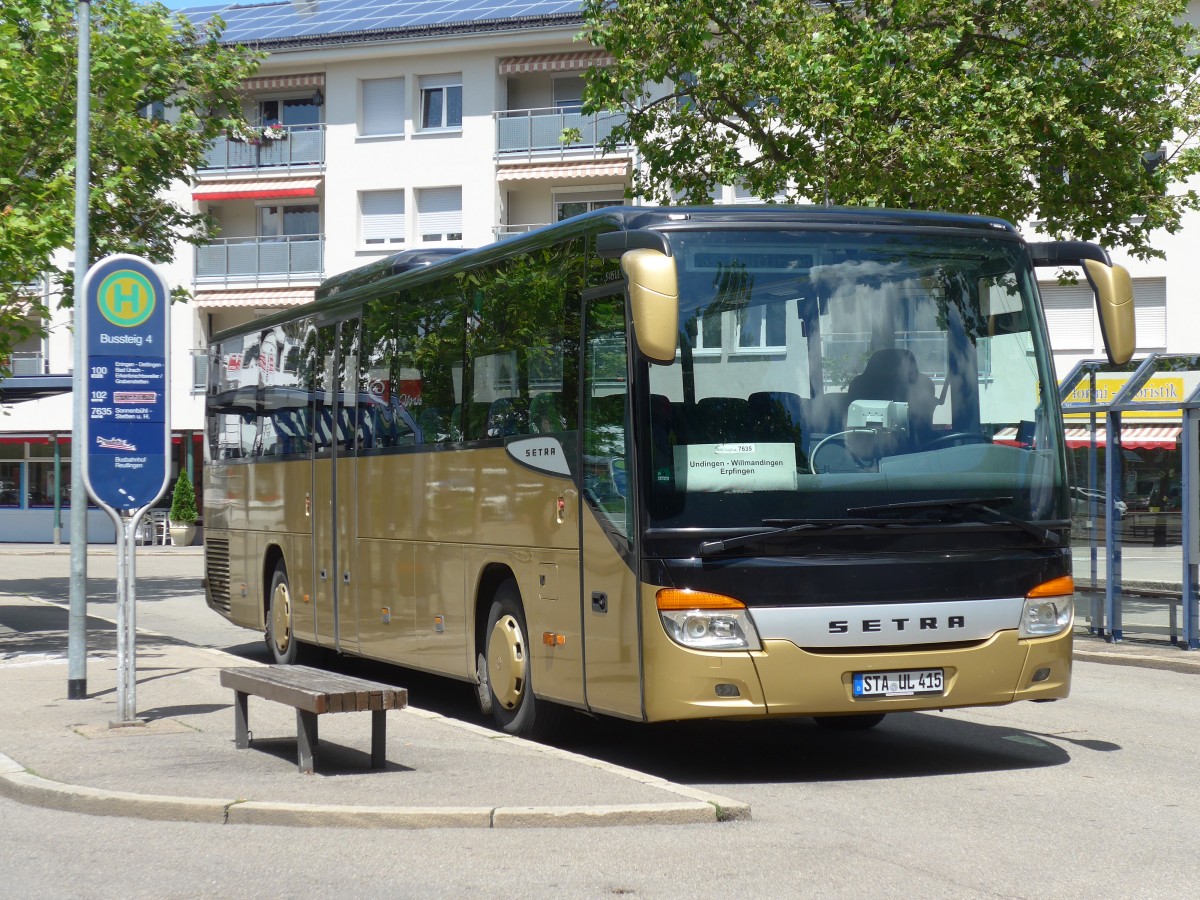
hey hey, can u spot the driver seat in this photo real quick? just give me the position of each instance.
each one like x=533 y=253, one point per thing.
x=892 y=374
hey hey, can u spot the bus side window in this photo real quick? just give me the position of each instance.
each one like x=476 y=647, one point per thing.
x=605 y=411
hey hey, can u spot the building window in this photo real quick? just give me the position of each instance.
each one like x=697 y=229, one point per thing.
x=567 y=205
x=382 y=107
x=383 y=221
x=290 y=221
x=762 y=327
x=568 y=93
x=439 y=214
x=441 y=101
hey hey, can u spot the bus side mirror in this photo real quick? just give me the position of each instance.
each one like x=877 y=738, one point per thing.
x=654 y=302
x=1114 y=304
x=1111 y=284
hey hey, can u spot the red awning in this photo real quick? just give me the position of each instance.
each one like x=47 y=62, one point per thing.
x=256 y=190
x=555 y=62
x=1144 y=437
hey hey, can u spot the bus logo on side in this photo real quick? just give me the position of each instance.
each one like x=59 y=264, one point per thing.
x=545 y=454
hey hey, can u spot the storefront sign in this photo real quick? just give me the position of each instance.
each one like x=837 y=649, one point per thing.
x=1159 y=389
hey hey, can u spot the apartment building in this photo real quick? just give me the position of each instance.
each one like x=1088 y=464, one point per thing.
x=382 y=126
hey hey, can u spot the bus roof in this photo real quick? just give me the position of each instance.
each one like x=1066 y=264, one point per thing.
x=420 y=264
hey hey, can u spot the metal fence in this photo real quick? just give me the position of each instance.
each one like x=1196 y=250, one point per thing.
x=279 y=259
x=548 y=130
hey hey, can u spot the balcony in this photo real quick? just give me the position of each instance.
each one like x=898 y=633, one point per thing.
x=277 y=260
x=27 y=362
x=538 y=133
x=303 y=147
x=503 y=231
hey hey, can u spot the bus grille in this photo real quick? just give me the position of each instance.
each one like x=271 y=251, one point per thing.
x=216 y=570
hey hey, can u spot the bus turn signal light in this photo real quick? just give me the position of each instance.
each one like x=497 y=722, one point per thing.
x=676 y=598
x=1056 y=587
x=550 y=639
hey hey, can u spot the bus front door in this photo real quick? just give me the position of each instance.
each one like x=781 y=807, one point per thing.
x=335 y=411
x=610 y=605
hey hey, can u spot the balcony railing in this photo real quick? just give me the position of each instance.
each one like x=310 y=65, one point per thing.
x=27 y=362
x=540 y=133
x=503 y=231
x=301 y=146
x=277 y=260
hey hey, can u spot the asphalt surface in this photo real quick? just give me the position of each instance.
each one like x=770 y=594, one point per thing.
x=182 y=765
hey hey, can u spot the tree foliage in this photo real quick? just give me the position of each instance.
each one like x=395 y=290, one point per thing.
x=1019 y=108
x=143 y=60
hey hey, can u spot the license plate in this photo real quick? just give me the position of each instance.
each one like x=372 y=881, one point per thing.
x=898 y=684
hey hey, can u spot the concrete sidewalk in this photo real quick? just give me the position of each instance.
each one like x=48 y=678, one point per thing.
x=182 y=765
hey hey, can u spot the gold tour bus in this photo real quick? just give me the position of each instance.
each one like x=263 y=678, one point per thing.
x=666 y=463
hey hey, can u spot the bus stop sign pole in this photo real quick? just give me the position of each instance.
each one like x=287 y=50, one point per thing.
x=127 y=437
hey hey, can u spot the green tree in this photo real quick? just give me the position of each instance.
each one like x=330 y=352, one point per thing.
x=1019 y=108
x=161 y=89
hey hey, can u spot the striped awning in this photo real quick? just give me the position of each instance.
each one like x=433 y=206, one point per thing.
x=253 y=297
x=258 y=189
x=555 y=62
x=275 y=82
x=605 y=169
x=1145 y=437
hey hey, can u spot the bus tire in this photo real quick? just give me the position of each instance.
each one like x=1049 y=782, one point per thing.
x=281 y=640
x=506 y=650
x=859 y=722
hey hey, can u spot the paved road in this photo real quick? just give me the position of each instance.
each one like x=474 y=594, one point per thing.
x=1091 y=797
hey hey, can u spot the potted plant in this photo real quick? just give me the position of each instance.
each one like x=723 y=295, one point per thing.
x=183 y=512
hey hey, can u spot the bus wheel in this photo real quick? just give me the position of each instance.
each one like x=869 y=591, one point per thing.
x=514 y=707
x=280 y=640
x=860 y=722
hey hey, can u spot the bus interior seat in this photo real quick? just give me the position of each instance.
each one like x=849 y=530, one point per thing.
x=720 y=419
x=545 y=414
x=507 y=416
x=432 y=423
x=775 y=415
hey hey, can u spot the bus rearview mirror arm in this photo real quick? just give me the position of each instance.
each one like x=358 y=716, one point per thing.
x=1111 y=285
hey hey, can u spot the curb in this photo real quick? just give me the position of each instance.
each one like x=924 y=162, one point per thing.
x=696 y=806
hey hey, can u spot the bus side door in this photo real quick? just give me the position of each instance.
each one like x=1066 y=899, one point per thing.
x=335 y=513
x=610 y=597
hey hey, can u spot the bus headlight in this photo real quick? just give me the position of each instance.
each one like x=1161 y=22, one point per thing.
x=1048 y=608
x=703 y=621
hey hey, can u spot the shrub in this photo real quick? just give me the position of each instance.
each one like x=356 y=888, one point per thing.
x=183 y=501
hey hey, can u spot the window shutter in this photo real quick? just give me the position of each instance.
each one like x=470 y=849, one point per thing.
x=382 y=106
x=439 y=210
x=1150 y=312
x=1069 y=315
x=383 y=217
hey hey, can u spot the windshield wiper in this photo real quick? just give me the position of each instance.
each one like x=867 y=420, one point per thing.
x=791 y=526
x=979 y=504
x=710 y=547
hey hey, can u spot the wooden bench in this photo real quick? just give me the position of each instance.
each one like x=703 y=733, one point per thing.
x=312 y=692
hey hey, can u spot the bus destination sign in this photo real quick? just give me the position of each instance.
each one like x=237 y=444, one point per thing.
x=126 y=323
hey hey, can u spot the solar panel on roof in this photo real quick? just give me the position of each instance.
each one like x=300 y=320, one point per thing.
x=314 y=18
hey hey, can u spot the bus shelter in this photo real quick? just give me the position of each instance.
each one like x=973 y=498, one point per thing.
x=1133 y=433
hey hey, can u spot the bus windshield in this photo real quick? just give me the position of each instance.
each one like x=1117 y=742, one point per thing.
x=820 y=374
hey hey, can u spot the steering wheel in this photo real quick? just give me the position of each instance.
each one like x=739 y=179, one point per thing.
x=954 y=438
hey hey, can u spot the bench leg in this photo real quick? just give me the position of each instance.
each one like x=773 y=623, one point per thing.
x=241 y=720
x=306 y=740
x=378 y=738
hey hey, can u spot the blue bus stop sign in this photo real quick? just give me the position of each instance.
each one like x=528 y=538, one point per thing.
x=125 y=312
